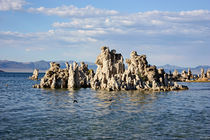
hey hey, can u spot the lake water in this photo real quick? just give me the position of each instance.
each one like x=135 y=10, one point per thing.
x=28 y=113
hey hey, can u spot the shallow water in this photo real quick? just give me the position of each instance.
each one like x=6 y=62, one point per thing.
x=28 y=113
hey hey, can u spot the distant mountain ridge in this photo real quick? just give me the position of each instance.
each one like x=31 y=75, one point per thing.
x=195 y=70
x=13 y=66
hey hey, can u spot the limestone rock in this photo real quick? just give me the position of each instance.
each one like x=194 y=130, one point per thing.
x=208 y=73
x=202 y=73
x=72 y=77
x=109 y=64
x=35 y=75
x=111 y=74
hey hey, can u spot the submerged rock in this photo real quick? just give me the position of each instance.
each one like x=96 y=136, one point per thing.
x=111 y=74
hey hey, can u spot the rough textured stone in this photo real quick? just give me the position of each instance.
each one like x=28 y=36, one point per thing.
x=35 y=75
x=109 y=64
x=208 y=73
x=72 y=77
x=202 y=73
x=111 y=74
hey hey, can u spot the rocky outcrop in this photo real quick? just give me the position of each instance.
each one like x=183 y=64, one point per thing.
x=72 y=77
x=35 y=75
x=190 y=77
x=208 y=74
x=176 y=76
x=111 y=74
x=110 y=67
x=202 y=73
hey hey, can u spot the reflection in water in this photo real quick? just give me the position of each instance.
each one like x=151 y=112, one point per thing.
x=129 y=101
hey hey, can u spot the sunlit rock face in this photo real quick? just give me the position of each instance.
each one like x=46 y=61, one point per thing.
x=110 y=67
x=35 y=75
x=111 y=74
x=72 y=77
x=208 y=73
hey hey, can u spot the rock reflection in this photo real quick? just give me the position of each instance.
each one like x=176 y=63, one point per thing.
x=128 y=101
x=60 y=99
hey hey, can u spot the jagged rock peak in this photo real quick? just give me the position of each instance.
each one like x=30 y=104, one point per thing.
x=110 y=74
x=35 y=75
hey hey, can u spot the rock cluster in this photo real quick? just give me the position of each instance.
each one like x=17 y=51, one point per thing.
x=72 y=77
x=204 y=76
x=35 y=75
x=111 y=74
x=188 y=76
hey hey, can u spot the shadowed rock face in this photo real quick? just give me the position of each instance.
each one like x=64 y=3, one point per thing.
x=110 y=74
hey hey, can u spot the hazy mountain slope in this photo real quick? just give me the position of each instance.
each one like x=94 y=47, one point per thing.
x=13 y=66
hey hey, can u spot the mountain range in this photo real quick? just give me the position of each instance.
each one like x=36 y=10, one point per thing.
x=195 y=70
x=14 y=66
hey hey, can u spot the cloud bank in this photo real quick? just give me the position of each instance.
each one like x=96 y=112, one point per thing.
x=166 y=37
x=6 y=5
x=73 y=11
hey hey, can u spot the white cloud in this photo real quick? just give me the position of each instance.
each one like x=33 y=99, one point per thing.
x=73 y=11
x=166 y=37
x=6 y=5
x=153 y=22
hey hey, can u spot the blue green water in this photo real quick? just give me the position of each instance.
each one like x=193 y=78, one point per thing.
x=28 y=113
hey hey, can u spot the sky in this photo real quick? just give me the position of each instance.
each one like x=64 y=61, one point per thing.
x=175 y=32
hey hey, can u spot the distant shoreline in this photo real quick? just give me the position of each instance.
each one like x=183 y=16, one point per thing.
x=21 y=70
x=197 y=81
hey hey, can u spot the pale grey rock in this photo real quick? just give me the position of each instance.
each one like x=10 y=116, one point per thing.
x=208 y=73
x=109 y=64
x=72 y=77
x=111 y=74
x=35 y=75
x=202 y=73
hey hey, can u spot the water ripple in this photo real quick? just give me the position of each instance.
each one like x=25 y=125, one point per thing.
x=27 y=113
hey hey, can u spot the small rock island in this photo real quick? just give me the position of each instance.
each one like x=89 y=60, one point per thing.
x=190 y=77
x=110 y=75
x=35 y=75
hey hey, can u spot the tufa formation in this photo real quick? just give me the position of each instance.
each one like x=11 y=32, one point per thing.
x=35 y=75
x=189 y=77
x=111 y=74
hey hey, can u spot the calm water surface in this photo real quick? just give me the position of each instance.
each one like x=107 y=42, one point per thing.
x=28 y=113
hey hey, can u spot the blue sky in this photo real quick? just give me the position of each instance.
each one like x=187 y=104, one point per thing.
x=168 y=32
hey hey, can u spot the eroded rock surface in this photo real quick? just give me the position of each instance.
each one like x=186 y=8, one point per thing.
x=35 y=75
x=111 y=74
x=208 y=73
x=72 y=77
